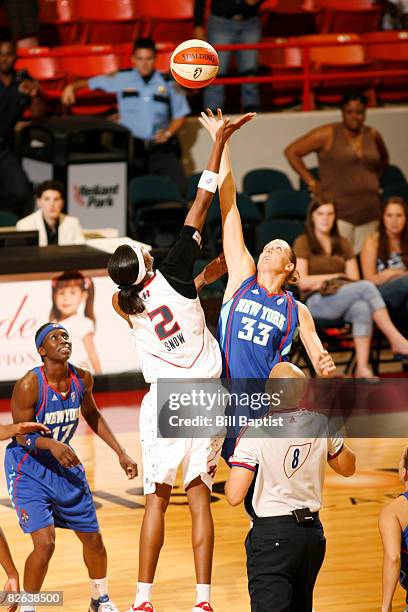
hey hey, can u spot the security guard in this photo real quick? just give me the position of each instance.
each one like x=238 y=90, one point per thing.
x=281 y=480
x=150 y=106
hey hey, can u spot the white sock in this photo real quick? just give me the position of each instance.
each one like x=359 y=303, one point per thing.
x=203 y=593
x=99 y=587
x=27 y=609
x=143 y=592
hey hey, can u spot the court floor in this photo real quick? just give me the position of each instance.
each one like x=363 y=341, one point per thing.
x=349 y=580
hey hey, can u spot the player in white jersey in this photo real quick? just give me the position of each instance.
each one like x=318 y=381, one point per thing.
x=166 y=319
x=281 y=480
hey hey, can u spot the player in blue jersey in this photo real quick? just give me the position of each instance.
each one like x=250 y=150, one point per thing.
x=46 y=480
x=6 y=560
x=259 y=317
x=394 y=534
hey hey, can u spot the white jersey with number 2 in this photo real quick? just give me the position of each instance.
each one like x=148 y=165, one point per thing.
x=171 y=336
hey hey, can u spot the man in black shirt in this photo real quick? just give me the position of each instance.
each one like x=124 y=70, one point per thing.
x=17 y=93
x=232 y=22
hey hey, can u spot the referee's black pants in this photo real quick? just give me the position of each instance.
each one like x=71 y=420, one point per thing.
x=283 y=560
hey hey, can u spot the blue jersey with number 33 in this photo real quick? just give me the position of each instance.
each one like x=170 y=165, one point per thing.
x=255 y=330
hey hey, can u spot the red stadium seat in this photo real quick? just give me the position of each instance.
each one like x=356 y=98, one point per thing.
x=349 y=16
x=59 y=25
x=392 y=57
x=277 y=62
x=289 y=17
x=124 y=53
x=109 y=21
x=167 y=20
x=85 y=61
x=339 y=58
x=43 y=67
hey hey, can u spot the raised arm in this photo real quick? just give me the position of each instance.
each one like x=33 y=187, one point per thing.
x=240 y=263
x=222 y=132
x=320 y=358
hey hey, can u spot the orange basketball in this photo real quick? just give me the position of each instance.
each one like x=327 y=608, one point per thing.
x=194 y=64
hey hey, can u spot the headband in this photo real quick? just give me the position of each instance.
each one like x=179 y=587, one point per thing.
x=45 y=331
x=142 y=266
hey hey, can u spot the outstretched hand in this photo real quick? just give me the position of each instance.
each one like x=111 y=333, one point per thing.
x=213 y=124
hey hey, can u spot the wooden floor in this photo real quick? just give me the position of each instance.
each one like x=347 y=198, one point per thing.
x=350 y=577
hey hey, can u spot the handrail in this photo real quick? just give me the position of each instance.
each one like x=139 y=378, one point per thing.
x=308 y=76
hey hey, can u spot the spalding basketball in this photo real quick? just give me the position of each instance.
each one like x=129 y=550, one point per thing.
x=194 y=64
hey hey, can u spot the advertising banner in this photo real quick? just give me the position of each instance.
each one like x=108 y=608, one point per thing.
x=101 y=341
x=96 y=194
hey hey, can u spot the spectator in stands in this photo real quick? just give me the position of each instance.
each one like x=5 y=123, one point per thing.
x=395 y=14
x=150 y=106
x=53 y=226
x=352 y=157
x=232 y=22
x=18 y=92
x=329 y=280
x=24 y=22
x=384 y=258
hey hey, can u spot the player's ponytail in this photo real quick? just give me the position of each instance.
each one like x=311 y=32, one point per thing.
x=123 y=268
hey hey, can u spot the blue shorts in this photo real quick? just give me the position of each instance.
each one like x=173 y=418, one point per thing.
x=44 y=493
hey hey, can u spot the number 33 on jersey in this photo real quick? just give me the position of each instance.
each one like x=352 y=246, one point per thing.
x=256 y=329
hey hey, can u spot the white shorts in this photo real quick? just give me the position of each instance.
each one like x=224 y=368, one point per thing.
x=162 y=456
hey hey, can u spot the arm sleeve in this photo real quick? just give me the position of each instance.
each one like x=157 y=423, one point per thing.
x=301 y=247
x=179 y=105
x=178 y=267
x=108 y=83
x=199 y=12
x=245 y=454
x=335 y=445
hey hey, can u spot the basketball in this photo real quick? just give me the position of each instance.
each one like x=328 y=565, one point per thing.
x=194 y=64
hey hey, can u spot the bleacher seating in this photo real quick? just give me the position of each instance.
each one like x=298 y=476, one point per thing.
x=59 y=23
x=41 y=65
x=281 y=61
x=389 y=57
x=109 y=21
x=167 y=20
x=85 y=61
x=349 y=16
x=339 y=57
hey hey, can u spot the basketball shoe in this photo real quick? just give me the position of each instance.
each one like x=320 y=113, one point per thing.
x=204 y=606
x=146 y=606
x=103 y=604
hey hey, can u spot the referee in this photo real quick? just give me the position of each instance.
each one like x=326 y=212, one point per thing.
x=281 y=480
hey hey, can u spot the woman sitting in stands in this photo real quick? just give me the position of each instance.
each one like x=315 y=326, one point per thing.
x=329 y=280
x=384 y=258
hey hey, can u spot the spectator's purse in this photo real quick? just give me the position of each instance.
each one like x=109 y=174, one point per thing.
x=332 y=285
